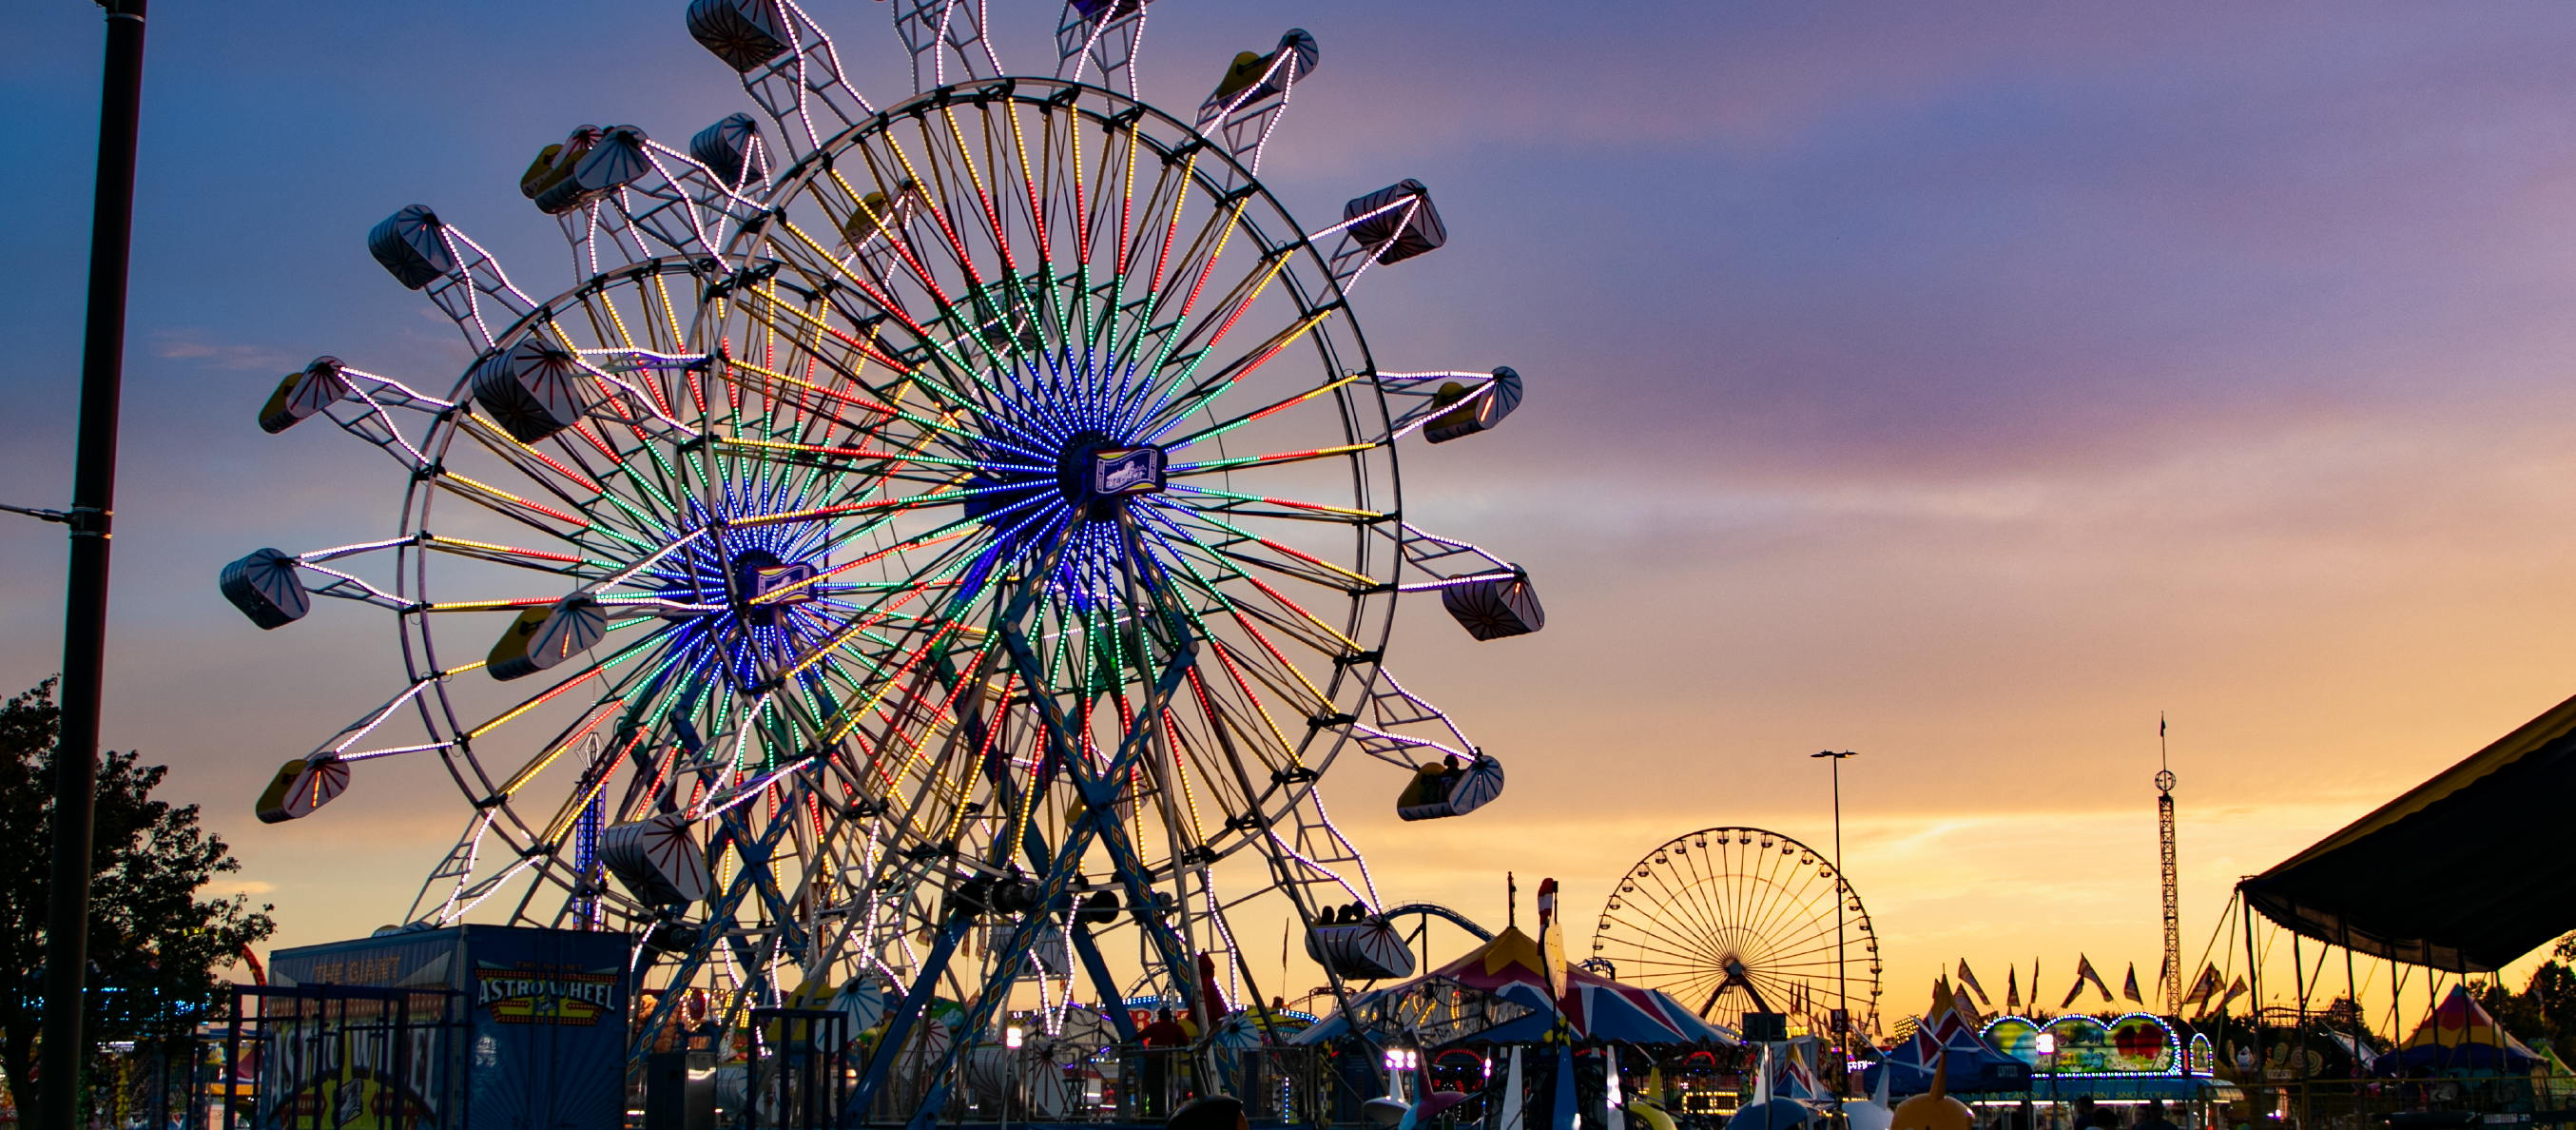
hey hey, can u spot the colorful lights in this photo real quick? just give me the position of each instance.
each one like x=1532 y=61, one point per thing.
x=898 y=545
x=2132 y=1045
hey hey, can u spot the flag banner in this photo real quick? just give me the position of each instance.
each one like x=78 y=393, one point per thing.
x=1969 y=979
x=2072 y=991
x=2084 y=971
x=2012 y=988
x=2233 y=991
x=2205 y=988
x=2129 y=988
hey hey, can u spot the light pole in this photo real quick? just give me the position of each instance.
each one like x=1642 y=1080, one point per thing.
x=1842 y=896
x=85 y=611
x=2047 y=1045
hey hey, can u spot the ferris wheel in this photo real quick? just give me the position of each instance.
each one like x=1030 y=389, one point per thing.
x=1737 y=920
x=924 y=543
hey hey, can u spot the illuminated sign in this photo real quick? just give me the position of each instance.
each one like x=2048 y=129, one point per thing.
x=542 y=995
x=2132 y=1045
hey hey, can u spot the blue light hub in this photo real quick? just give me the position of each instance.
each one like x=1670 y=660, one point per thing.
x=1097 y=472
x=719 y=577
x=1066 y=455
x=757 y=573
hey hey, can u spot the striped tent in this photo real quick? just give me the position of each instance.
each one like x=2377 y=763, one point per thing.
x=2459 y=1036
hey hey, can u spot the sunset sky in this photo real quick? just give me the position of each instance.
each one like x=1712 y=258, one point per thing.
x=1960 y=384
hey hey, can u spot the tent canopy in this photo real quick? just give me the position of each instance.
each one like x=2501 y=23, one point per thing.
x=1945 y=1037
x=2466 y=872
x=2462 y=1036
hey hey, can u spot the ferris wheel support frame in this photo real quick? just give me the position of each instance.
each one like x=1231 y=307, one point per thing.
x=1100 y=792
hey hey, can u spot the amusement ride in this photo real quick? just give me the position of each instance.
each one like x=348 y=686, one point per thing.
x=1738 y=920
x=929 y=547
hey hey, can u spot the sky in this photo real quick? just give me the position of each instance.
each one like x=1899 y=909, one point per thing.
x=1965 y=385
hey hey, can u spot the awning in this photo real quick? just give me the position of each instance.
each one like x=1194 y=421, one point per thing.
x=2466 y=872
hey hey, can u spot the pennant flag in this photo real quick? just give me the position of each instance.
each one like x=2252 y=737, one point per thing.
x=2208 y=986
x=2084 y=971
x=2130 y=989
x=2233 y=991
x=1970 y=980
x=2012 y=988
x=2072 y=991
x=1967 y=1010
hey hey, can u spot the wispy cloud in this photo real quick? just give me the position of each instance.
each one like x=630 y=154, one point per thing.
x=208 y=352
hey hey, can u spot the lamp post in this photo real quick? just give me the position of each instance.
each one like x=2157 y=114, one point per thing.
x=85 y=610
x=2047 y=1044
x=1842 y=896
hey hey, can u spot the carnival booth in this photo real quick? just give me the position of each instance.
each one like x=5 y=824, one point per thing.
x=2129 y=1060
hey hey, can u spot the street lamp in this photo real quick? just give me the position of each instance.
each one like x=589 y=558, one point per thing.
x=2047 y=1044
x=1842 y=895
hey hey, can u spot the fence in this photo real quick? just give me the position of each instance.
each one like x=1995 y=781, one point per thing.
x=1121 y=1084
x=1281 y=1085
x=2317 y=1104
x=798 y=1072
x=333 y=1057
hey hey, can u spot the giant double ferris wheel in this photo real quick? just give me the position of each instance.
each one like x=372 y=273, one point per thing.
x=927 y=541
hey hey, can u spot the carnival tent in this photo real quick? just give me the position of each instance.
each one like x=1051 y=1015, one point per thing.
x=1505 y=982
x=1945 y=1036
x=2464 y=873
x=2459 y=1036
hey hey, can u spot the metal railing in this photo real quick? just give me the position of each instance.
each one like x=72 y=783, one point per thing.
x=799 y=1069
x=335 y=1057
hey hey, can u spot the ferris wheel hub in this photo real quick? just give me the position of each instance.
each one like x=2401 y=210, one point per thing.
x=759 y=574
x=1096 y=471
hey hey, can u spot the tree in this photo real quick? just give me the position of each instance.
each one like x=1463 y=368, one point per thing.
x=155 y=947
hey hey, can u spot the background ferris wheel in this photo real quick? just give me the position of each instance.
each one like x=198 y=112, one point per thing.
x=1737 y=920
x=931 y=549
